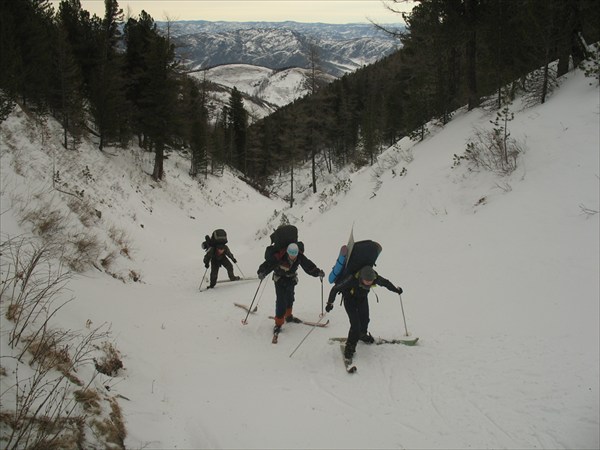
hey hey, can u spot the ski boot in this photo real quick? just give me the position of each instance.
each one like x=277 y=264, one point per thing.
x=367 y=338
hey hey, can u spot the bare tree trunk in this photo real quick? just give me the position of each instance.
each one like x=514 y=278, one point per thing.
x=471 y=54
x=159 y=158
x=292 y=186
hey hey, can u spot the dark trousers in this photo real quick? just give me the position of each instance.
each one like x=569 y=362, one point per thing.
x=284 y=290
x=358 y=314
x=215 y=264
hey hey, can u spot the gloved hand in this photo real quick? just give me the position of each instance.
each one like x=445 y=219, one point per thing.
x=261 y=276
x=329 y=307
x=399 y=290
x=206 y=265
x=321 y=274
x=234 y=260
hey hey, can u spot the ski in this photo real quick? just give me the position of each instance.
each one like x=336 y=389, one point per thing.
x=380 y=341
x=227 y=281
x=246 y=308
x=350 y=368
x=241 y=279
x=310 y=324
x=408 y=341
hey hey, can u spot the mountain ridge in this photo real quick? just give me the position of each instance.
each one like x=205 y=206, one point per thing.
x=277 y=45
x=268 y=61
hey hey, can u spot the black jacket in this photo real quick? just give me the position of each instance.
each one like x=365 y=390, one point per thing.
x=282 y=267
x=353 y=290
x=211 y=253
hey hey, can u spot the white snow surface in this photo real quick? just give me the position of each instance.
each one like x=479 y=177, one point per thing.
x=500 y=277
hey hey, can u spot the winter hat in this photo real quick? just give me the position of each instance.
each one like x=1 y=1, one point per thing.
x=367 y=274
x=292 y=249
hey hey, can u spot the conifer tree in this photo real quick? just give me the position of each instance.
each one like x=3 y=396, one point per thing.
x=26 y=45
x=107 y=98
x=68 y=98
x=238 y=123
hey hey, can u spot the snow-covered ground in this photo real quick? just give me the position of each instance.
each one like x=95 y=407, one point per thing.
x=500 y=277
x=268 y=89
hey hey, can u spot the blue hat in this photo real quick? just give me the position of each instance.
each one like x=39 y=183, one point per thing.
x=292 y=249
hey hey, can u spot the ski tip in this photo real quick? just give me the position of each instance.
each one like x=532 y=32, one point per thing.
x=411 y=342
x=244 y=322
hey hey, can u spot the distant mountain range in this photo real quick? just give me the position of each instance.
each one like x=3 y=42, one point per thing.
x=268 y=61
x=279 y=45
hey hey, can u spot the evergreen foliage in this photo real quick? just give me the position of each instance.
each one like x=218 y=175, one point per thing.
x=81 y=69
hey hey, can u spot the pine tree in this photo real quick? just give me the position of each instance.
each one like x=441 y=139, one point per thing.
x=26 y=41
x=107 y=98
x=238 y=123
x=69 y=90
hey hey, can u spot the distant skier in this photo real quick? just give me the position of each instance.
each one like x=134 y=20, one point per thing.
x=355 y=288
x=284 y=264
x=217 y=255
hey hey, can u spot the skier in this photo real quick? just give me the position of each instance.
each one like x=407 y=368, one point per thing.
x=284 y=265
x=355 y=288
x=217 y=256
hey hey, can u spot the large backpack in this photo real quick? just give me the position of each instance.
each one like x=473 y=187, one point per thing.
x=218 y=237
x=283 y=236
x=363 y=253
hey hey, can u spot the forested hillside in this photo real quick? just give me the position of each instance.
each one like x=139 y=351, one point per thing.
x=125 y=86
x=454 y=54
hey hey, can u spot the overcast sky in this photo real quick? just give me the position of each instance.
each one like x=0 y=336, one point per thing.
x=327 y=11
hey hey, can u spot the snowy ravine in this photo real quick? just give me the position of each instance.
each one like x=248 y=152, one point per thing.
x=500 y=277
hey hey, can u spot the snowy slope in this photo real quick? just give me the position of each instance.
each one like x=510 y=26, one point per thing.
x=342 y=48
x=266 y=89
x=500 y=277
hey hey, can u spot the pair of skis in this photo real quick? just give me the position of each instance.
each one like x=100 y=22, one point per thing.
x=350 y=367
x=410 y=341
x=296 y=320
x=203 y=289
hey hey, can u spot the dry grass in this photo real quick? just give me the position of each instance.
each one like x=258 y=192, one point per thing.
x=110 y=363
x=121 y=239
x=112 y=429
x=45 y=220
x=51 y=351
x=108 y=260
x=87 y=215
x=89 y=400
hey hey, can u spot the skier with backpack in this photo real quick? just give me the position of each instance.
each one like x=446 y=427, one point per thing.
x=217 y=255
x=283 y=258
x=354 y=284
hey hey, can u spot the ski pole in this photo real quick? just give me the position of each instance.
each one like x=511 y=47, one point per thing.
x=259 y=297
x=240 y=270
x=403 y=316
x=245 y=320
x=322 y=313
x=199 y=287
x=307 y=334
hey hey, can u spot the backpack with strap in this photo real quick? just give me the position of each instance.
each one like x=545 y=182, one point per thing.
x=364 y=253
x=218 y=237
x=283 y=236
